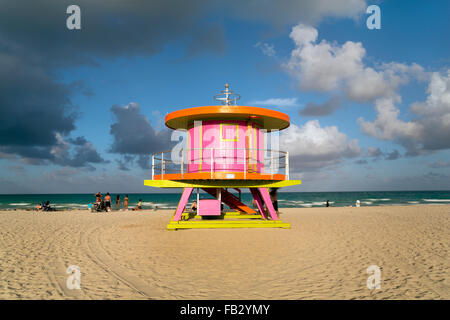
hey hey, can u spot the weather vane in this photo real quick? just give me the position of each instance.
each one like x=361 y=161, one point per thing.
x=227 y=97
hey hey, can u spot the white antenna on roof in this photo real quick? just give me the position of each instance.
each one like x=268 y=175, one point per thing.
x=229 y=98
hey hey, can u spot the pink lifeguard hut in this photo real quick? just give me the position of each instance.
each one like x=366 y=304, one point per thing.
x=225 y=150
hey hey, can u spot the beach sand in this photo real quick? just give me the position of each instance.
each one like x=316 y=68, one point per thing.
x=325 y=254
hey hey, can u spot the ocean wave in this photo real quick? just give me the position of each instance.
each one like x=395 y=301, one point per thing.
x=413 y=202
x=384 y=199
x=367 y=202
x=20 y=204
x=436 y=200
x=308 y=205
x=69 y=205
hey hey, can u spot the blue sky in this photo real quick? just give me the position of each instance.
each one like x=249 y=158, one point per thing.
x=173 y=78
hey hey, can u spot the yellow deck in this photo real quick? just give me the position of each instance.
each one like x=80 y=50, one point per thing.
x=214 y=224
x=220 y=183
x=227 y=220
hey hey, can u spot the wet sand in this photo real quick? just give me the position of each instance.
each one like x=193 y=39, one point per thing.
x=325 y=254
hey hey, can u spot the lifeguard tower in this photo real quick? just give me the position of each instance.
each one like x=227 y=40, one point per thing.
x=224 y=151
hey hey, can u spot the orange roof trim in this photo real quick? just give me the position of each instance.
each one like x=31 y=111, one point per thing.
x=268 y=119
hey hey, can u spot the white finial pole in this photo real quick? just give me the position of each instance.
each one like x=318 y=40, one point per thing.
x=229 y=98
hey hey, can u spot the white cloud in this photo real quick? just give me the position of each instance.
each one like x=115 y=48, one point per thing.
x=326 y=67
x=266 y=49
x=387 y=126
x=428 y=131
x=333 y=69
x=278 y=102
x=313 y=146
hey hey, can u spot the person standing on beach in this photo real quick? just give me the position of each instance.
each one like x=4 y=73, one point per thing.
x=98 y=197
x=328 y=203
x=118 y=202
x=125 y=203
x=108 y=202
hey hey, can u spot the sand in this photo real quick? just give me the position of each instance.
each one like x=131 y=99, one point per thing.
x=130 y=255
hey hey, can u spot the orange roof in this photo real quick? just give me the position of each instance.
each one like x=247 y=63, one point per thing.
x=266 y=118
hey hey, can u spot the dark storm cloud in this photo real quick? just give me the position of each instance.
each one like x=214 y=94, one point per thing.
x=121 y=165
x=78 y=141
x=135 y=137
x=109 y=28
x=35 y=42
x=82 y=154
x=394 y=155
x=33 y=106
x=316 y=110
x=144 y=161
x=211 y=39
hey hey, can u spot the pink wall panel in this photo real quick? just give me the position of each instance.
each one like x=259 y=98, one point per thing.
x=229 y=147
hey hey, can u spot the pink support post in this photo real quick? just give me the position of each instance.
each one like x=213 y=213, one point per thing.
x=266 y=197
x=182 y=204
x=259 y=202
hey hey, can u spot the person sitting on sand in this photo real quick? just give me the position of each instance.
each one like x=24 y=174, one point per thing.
x=46 y=207
x=99 y=204
x=125 y=203
x=38 y=207
x=139 y=206
x=108 y=202
x=194 y=206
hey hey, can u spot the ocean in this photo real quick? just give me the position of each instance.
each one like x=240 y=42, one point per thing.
x=285 y=199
